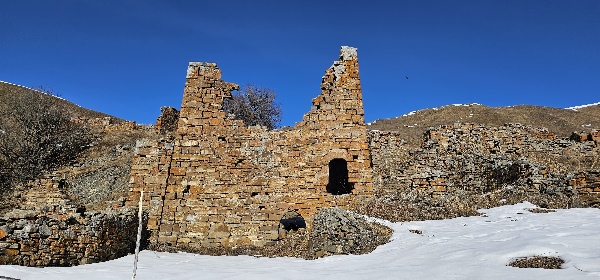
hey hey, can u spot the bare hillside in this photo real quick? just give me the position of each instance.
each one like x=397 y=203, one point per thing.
x=100 y=173
x=561 y=122
x=9 y=91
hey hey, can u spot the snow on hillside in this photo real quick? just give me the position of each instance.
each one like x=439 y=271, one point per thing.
x=461 y=248
x=34 y=90
x=437 y=108
x=575 y=108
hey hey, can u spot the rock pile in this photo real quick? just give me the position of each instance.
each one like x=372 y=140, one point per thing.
x=479 y=159
x=337 y=231
x=464 y=167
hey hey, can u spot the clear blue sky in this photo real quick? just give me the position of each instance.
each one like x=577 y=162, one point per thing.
x=129 y=58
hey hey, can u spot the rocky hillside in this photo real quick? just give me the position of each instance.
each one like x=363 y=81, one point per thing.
x=10 y=91
x=450 y=161
x=98 y=175
x=561 y=122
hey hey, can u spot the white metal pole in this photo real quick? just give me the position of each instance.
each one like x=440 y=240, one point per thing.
x=139 y=236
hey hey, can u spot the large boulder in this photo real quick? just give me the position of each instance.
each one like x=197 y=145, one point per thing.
x=336 y=231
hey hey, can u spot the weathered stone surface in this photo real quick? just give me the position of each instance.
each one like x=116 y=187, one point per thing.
x=337 y=231
x=229 y=176
x=65 y=238
x=50 y=230
x=167 y=121
x=479 y=159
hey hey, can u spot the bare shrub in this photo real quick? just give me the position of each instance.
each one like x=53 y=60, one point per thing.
x=538 y=262
x=255 y=106
x=36 y=134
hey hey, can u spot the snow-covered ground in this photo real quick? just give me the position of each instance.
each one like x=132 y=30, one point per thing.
x=461 y=248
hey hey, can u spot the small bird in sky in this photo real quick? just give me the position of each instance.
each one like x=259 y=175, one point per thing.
x=407 y=77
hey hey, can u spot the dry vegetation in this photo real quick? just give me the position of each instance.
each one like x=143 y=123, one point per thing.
x=561 y=122
x=538 y=262
x=96 y=174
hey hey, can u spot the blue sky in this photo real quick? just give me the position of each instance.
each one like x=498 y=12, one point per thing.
x=129 y=58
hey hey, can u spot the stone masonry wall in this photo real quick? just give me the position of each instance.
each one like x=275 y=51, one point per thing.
x=167 y=121
x=476 y=158
x=221 y=183
x=109 y=124
x=50 y=230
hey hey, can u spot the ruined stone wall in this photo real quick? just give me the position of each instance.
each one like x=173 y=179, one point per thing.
x=479 y=159
x=150 y=169
x=167 y=121
x=49 y=230
x=33 y=238
x=109 y=124
x=227 y=184
x=583 y=136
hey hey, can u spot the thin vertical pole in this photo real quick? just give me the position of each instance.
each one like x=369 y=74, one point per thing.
x=139 y=236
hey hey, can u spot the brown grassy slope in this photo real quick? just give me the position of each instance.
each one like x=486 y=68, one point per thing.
x=100 y=173
x=9 y=91
x=561 y=122
x=591 y=110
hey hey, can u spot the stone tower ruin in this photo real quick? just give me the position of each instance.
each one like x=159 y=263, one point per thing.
x=218 y=182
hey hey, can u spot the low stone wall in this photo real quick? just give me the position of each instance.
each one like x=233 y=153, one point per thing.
x=583 y=136
x=50 y=230
x=587 y=182
x=33 y=238
x=110 y=124
x=478 y=159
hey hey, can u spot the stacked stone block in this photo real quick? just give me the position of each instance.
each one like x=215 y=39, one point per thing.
x=50 y=230
x=33 y=238
x=167 y=121
x=226 y=184
x=477 y=159
x=109 y=124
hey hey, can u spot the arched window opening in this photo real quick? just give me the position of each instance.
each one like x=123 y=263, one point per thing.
x=338 y=177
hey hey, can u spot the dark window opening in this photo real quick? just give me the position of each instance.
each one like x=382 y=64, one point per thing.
x=291 y=221
x=62 y=184
x=254 y=194
x=355 y=157
x=221 y=138
x=338 y=177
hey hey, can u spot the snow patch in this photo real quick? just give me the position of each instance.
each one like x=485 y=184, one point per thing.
x=35 y=91
x=410 y=113
x=441 y=107
x=576 y=108
x=460 y=248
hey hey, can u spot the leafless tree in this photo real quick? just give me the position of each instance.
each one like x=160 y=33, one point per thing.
x=255 y=106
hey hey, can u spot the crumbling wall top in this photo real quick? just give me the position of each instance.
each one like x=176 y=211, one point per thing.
x=348 y=53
